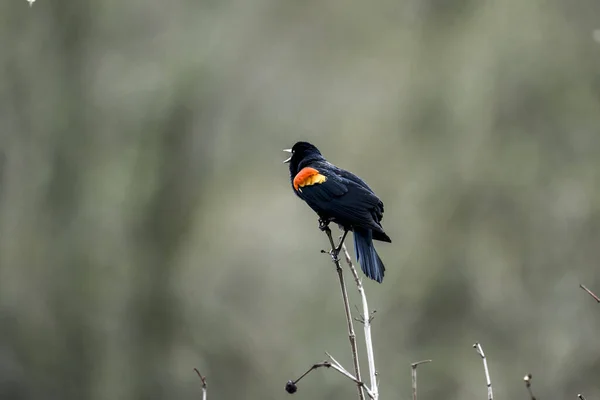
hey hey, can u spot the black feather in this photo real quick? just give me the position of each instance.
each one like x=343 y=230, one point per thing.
x=345 y=199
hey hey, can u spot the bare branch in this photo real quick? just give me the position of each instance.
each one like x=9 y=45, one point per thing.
x=527 y=379
x=351 y=335
x=413 y=368
x=336 y=362
x=337 y=366
x=366 y=321
x=204 y=385
x=292 y=386
x=590 y=293
x=479 y=349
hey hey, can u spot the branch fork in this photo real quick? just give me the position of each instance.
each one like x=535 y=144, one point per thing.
x=291 y=386
x=366 y=318
x=204 y=385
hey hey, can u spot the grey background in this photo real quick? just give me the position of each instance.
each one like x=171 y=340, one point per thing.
x=147 y=225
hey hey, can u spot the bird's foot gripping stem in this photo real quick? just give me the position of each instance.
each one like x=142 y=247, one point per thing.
x=333 y=253
x=324 y=224
x=337 y=250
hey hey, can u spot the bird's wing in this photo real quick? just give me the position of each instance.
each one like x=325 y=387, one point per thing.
x=342 y=199
x=378 y=208
x=351 y=177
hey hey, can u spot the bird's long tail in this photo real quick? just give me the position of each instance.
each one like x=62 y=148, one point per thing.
x=366 y=255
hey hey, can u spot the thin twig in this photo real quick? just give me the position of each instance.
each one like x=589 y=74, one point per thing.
x=366 y=321
x=291 y=386
x=336 y=364
x=590 y=293
x=351 y=334
x=204 y=385
x=479 y=349
x=413 y=374
x=527 y=380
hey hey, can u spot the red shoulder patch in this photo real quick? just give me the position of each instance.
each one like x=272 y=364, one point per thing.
x=308 y=176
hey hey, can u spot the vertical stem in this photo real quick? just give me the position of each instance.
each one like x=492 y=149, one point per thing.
x=488 y=380
x=413 y=367
x=351 y=334
x=413 y=374
x=204 y=385
x=366 y=320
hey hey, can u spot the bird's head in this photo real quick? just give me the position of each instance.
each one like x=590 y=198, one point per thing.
x=301 y=151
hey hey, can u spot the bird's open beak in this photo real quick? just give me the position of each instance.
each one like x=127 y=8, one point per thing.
x=288 y=151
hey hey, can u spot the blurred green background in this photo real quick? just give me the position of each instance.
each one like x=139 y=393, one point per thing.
x=147 y=225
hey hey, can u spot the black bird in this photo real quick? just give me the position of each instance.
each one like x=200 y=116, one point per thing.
x=340 y=196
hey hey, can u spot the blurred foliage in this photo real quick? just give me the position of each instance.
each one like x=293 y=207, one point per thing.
x=147 y=225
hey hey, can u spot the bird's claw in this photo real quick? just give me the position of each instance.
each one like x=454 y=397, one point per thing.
x=323 y=224
x=333 y=253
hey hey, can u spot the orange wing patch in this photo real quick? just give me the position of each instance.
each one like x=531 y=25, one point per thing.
x=308 y=176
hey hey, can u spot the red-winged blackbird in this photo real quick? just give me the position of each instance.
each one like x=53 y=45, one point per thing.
x=340 y=196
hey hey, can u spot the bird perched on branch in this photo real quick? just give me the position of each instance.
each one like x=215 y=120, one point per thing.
x=340 y=196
